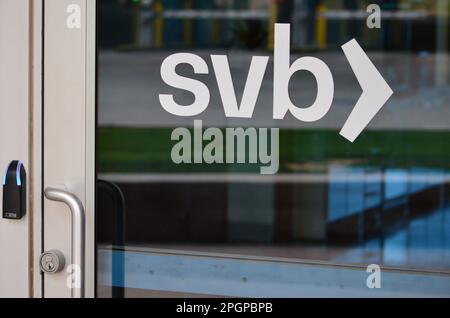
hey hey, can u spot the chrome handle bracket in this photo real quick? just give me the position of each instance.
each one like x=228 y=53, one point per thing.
x=78 y=232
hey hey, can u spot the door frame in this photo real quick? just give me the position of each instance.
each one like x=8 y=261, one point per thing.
x=23 y=101
x=64 y=100
x=19 y=140
x=68 y=160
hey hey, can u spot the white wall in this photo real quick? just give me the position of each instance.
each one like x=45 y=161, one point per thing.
x=14 y=104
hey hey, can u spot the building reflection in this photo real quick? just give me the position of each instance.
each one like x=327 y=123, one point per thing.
x=381 y=200
x=349 y=215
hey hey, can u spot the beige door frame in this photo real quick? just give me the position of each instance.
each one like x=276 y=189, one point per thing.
x=20 y=139
x=69 y=132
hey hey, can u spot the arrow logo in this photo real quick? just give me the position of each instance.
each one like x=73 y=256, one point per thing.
x=376 y=92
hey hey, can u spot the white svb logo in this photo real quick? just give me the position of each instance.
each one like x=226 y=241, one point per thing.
x=376 y=92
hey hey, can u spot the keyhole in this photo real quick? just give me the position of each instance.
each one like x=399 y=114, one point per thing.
x=52 y=262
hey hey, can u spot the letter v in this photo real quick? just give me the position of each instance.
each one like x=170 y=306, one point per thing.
x=251 y=90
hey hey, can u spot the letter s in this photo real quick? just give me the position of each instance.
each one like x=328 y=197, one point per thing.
x=170 y=77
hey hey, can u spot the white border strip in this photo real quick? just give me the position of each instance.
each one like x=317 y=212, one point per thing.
x=431 y=178
x=264 y=14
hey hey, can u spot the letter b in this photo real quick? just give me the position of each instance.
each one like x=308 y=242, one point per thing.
x=283 y=72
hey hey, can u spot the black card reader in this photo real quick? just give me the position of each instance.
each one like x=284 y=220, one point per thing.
x=14 y=191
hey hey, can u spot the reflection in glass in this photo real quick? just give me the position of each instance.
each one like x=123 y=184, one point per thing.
x=382 y=199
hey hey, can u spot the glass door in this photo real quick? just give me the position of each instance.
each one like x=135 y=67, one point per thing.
x=216 y=148
x=204 y=190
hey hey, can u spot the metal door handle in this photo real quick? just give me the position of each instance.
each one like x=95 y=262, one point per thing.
x=78 y=232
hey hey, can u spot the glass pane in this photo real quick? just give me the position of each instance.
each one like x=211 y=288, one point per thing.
x=221 y=182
